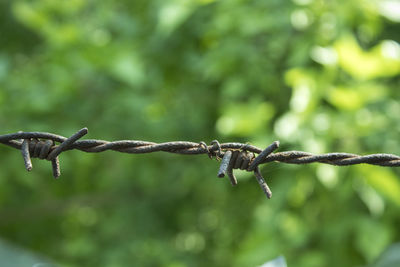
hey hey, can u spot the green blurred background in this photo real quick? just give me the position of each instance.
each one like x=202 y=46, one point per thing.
x=320 y=76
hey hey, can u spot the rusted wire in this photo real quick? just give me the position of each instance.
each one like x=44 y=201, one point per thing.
x=43 y=145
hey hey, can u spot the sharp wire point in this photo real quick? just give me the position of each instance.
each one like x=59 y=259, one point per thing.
x=26 y=155
x=232 y=162
x=55 y=165
x=224 y=164
x=263 y=154
x=263 y=184
x=64 y=145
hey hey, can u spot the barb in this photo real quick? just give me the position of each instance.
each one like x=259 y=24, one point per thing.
x=42 y=145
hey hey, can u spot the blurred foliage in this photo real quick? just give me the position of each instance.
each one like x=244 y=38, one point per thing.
x=320 y=76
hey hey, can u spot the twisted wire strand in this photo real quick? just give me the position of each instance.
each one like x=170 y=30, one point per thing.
x=183 y=147
x=234 y=155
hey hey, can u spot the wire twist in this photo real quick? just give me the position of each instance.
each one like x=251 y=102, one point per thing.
x=42 y=145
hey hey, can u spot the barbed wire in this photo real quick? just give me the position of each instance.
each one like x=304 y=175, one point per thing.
x=43 y=145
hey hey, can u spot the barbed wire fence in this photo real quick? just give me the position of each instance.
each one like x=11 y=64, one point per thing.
x=43 y=145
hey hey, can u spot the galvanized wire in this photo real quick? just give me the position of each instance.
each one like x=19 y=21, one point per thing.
x=234 y=155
